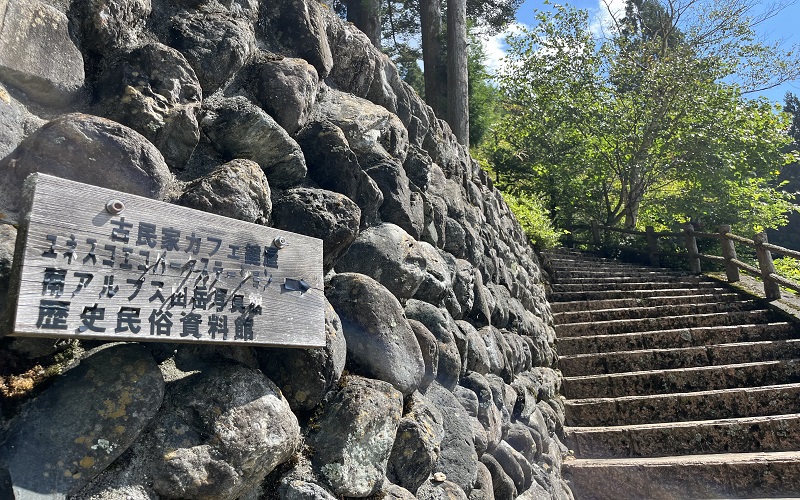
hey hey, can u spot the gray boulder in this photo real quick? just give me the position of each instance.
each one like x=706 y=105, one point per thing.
x=504 y=398
x=430 y=352
x=297 y=489
x=356 y=58
x=482 y=304
x=370 y=129
x=83 y=148
x=477 y=357
x=479 y=436
x=216 y=44
x=15 y=122
x=487 y=412
x=424 y=173
x=441 y=490
x=107 y=26
x=455 y=238
x=306 y=375
x=353 y=435
x=388 y=174
x=494 y=350
x=333 y=165
x=437 y=280
x=502 y=297
x=467 y=398
x=464 y=284
x=514 y=465
x=546 y=382
x=225 y=430
x=287 y=90
x=239 y=129
x=417 y=443
x=155 y=91
x=8 y=237
x=394 y=492
x=38 y=55
x=299 y=26
x=329 y=216
x=237 y=189
x=458 y=459
x=389 y=255
x=503 y=485
x=441 y=325
x=53 y=449
x=484 y=489
x=380 y=342
x=520 y=438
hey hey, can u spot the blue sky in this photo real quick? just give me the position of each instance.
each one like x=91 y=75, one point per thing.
x=784 y=26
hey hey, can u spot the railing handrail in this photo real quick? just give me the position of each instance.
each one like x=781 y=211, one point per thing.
x=766 y=269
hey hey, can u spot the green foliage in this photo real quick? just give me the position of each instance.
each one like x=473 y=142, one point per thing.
x=534 y=219
x=642 y=126
x=788 y=267
x=792 y=107
x=483 y=95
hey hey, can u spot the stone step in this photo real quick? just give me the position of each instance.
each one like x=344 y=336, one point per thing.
x=673 y=358
x=591 y=305
x=579 y=295
x=732 y=435
x=565 y=275
x=658 y=311
x=680 y=407
x=638 y=286
x=683 y=379
x=676 y=338
x=656 y=278
x=600 y=267
x=579 y=257
x=664 y=323
x=560 y=263
x=726 y=475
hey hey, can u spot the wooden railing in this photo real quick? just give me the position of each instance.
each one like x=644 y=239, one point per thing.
x=689 y=236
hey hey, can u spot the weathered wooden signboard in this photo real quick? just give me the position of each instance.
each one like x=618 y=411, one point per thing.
x=102 y=264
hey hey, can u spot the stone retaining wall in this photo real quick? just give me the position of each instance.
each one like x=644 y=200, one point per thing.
x=437 y=379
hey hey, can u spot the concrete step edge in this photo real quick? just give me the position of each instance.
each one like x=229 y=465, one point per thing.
x=700 y=298
x=566 y=329
x=756 y=343
x=732 y=366
x=714 y=458
x=708 y=393
x=686 y=423
x=749 y=304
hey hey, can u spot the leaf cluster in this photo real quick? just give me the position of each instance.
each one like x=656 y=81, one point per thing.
x=647 y=125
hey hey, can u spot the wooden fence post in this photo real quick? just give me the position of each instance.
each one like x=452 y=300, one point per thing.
x=596 y=235
x=729 y=252
x=691 y=248
x=771 y=289
x=652 y=246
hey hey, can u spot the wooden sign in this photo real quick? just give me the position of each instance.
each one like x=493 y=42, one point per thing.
x=93 y=263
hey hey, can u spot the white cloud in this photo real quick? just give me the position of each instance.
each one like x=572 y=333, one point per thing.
x=603 y=19
x=601 y=24
x=495 y=47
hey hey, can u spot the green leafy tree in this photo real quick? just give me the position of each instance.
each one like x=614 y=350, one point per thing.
x=643 y=125
x=483 y=94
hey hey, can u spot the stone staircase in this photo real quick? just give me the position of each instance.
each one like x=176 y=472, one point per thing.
x=677 y=387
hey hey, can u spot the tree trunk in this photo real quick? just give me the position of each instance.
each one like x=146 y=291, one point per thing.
x=632 y=213
x=366 y=15
x=457 y=77
x=433 y=56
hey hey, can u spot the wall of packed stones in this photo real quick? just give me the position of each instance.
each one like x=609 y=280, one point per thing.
x=437 y=379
